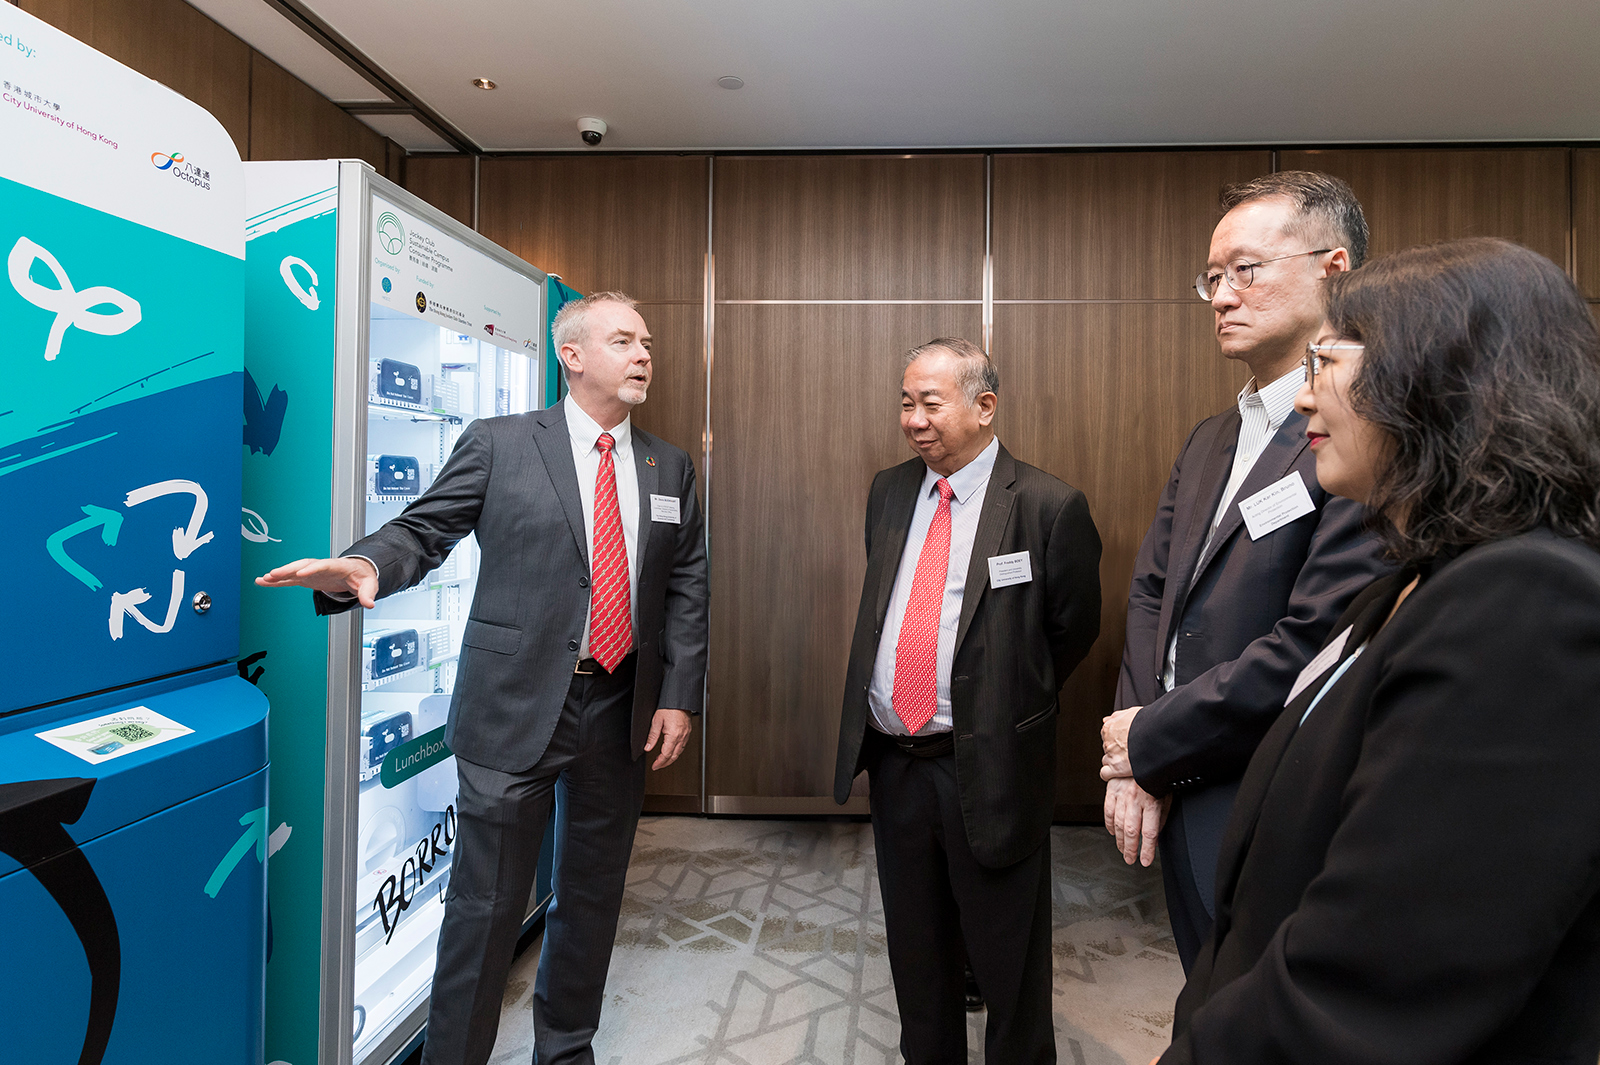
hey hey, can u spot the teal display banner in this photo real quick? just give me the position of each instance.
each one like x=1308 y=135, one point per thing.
x=122 y=371
x=288 y=428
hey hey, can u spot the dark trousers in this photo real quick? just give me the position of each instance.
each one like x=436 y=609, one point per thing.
x=597 y=788
x=1191 y=920
x=935 y=894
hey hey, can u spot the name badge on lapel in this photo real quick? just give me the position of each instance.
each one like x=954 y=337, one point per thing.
x=1276 y=505
x=1319 y=665
x=664 y=508
x=1006 y=570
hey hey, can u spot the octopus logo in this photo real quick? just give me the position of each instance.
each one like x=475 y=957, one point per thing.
x=164 y=162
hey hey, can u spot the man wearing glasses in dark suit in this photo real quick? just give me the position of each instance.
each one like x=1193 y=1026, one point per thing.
x=1248 y=561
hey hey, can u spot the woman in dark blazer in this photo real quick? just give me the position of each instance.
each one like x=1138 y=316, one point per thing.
x=1412 y=869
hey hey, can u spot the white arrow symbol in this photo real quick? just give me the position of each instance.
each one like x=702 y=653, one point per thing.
x=127 y=603
x=286 y=271
x=184 y=541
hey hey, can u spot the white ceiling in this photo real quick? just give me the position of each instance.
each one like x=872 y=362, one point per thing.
x=952 y=73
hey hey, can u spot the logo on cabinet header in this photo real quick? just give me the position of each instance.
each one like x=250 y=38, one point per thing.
x=422 y=303
x=499 y=333
x=391 y=234
x=388 y=286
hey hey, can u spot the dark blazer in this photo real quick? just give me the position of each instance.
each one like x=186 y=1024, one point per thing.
x=1246 y=626
x=1413 y=875
x=512 y=481
x=1015 y=646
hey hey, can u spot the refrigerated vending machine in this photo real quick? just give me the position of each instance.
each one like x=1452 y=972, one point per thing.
x=134 y=832
x=377 y=328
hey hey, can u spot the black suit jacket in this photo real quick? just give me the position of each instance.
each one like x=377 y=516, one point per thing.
x=1248 y=614
x=512 y=481
x=1412 y=876
x=1015 y=646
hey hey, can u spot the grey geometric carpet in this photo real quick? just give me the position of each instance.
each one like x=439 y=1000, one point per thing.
x=761 y=943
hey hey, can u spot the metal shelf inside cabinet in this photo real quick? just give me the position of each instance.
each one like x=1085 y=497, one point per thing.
x=431 y=585
x=401 y=412
x=369 y=685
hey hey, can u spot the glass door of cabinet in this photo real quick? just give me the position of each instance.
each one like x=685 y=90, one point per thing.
x=425 y=383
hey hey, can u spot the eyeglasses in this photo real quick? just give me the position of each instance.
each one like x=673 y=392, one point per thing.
x=1238 y=275
x=1314 y=362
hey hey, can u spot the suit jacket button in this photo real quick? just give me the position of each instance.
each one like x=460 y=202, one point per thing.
x=572 y=645
x=583 y=582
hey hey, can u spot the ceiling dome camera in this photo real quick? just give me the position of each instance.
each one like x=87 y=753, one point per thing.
x=591 y=130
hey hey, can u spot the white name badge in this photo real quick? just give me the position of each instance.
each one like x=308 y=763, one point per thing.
x=1319 y=665
x=1276 y=505
x=1006 y=570
x=664 y=508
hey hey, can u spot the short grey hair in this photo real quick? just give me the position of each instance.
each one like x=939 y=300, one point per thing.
x=1328 y=208
x=572 y=320
x=975 y=372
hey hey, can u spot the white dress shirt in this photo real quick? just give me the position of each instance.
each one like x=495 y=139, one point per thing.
x=969 y=484
x=1261 y=413
x=585 y=433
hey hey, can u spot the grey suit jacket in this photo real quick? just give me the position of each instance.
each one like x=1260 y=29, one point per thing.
x=1248 y=614
x=512 y=481
x=1015 y=646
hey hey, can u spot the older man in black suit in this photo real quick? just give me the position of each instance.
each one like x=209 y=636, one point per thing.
x=982 y=594
x=585 y=648
x=1248 y=561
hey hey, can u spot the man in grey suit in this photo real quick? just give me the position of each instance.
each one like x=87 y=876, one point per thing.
x=585 y=648
x=1248 y=561
x=982 y=594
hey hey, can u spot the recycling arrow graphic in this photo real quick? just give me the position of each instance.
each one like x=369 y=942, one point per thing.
x=184 y=541
x=109 y=523
x=126 y=604
x=255 y=834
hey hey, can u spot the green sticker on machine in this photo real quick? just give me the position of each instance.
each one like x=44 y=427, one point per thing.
x=409 y=759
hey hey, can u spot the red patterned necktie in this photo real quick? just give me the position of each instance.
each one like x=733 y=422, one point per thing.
x=610 y=621
x=916 y=653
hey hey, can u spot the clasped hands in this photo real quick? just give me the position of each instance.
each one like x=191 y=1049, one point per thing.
x=346 y=576
x=1133 y=816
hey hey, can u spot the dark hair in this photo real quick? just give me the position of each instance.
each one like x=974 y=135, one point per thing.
x=1329 y=210
x=1482 y=364
x=975 y=371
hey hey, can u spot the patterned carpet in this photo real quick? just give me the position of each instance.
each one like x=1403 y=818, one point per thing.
x=761 y=943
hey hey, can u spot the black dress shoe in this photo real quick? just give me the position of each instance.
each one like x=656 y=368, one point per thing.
x=974 y=996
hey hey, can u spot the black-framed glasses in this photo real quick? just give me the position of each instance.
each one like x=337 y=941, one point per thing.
x=1314 y=362
x=1239 y=274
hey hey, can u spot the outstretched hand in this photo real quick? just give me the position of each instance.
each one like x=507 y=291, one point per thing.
x=330 y=576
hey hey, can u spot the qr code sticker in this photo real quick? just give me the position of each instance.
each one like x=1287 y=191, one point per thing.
x=133 y=733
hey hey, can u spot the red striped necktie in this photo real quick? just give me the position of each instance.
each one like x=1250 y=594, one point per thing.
x=610 y=621
x=916 y=653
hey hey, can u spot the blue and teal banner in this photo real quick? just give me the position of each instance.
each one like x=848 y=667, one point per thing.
x=288 y=434
x=124 y=349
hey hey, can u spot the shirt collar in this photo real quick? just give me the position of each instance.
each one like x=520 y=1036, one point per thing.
x=1277 y=397
x=969 y=478
x=586 y=431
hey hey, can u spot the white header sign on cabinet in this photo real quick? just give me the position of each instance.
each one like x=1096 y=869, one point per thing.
x=422 y=271
x=117 y=142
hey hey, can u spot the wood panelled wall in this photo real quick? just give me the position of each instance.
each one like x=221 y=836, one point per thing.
x=826 y=268
x=269 y=113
